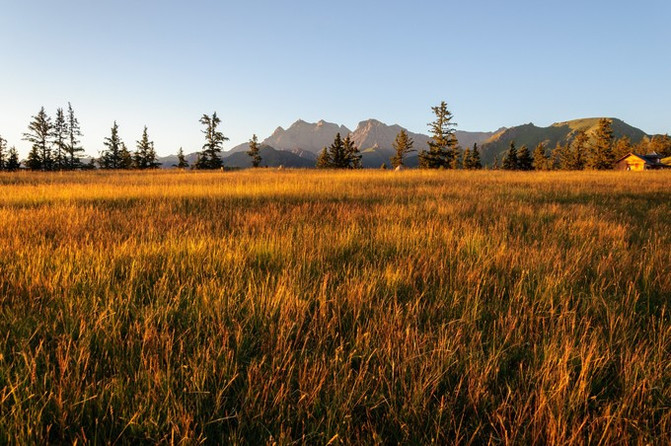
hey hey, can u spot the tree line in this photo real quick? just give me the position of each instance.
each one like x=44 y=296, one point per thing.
x=599 y=152
x=56 y=145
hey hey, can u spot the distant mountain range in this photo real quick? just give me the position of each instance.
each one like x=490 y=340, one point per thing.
x=299 y=145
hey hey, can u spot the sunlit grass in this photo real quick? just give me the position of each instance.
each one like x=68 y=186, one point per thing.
x=352 y=307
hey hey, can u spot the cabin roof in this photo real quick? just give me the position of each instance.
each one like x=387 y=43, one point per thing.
x=654 y=158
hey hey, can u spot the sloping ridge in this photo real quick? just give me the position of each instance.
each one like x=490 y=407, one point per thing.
x=560 y=132
x=305 y=136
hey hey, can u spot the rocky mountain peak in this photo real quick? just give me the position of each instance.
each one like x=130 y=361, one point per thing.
x=305 y=136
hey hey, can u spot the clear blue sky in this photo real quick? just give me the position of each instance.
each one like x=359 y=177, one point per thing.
x=261 y=64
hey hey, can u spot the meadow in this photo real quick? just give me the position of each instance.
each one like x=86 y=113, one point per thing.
x=325 y=307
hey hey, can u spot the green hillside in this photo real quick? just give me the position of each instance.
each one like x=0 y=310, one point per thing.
x=560 y=132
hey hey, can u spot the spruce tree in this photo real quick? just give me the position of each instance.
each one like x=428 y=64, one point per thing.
x=540 y=161
x=34 y=161
x=138 y=160
x=210 y=157
x=254 y=151
x=574 y=155
x=323 y=160
x=560 y=156
x=642 y=146
x=145 y=155
x=467 y=159
x=59 y=137
x=660 y=144
x=524 y=160
x=455 y=161
x=152 y=158
x=352 y=154
x=622 y=147
x=39 y=134
x=112 y=157
x=341 y=154
x=181 y=160
x=476 y=162
x=337 y=154
x=126 y=157
x=402 y=145
x=510 y=159
x=443 y=143
x=601 y=155
x=73 y=148
x=13 y=162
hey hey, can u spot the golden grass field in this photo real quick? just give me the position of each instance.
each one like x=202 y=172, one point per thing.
x=319 y=307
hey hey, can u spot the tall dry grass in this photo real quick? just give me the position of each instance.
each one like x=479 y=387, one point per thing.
x=335 y=307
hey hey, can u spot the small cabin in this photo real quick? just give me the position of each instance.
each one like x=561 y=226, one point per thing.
x=634 y=161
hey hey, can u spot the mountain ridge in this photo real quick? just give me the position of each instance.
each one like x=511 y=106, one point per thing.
x=302 y=141
x=561 y=132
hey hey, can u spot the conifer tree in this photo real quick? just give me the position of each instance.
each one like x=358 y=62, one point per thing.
x=642 y=147
x=443 y=143
x=210 y=157
x=660 y=144
x=467 y=159
x=145 y=155
x=323 y=160
x=138 y=159
x=126 y=157
x=112 y=158
x=39 y=134
x=59 y=137
x=476 y=162
x=455 y=158
x=352 y=154
x=341 y=154
x=13 y=162
x=601 y=155
x=510 y=159
x=560 y=156
x=337 y=154
x=574 y=154
x=73 y=148
x=524 y=160
x=181 y=160
x=152 y=158
x=540 y=161
x=34 y=161
x=402 y=145
x=622 y=147
x=254 y=151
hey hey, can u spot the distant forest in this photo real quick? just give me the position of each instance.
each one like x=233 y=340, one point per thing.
x=56 y=146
